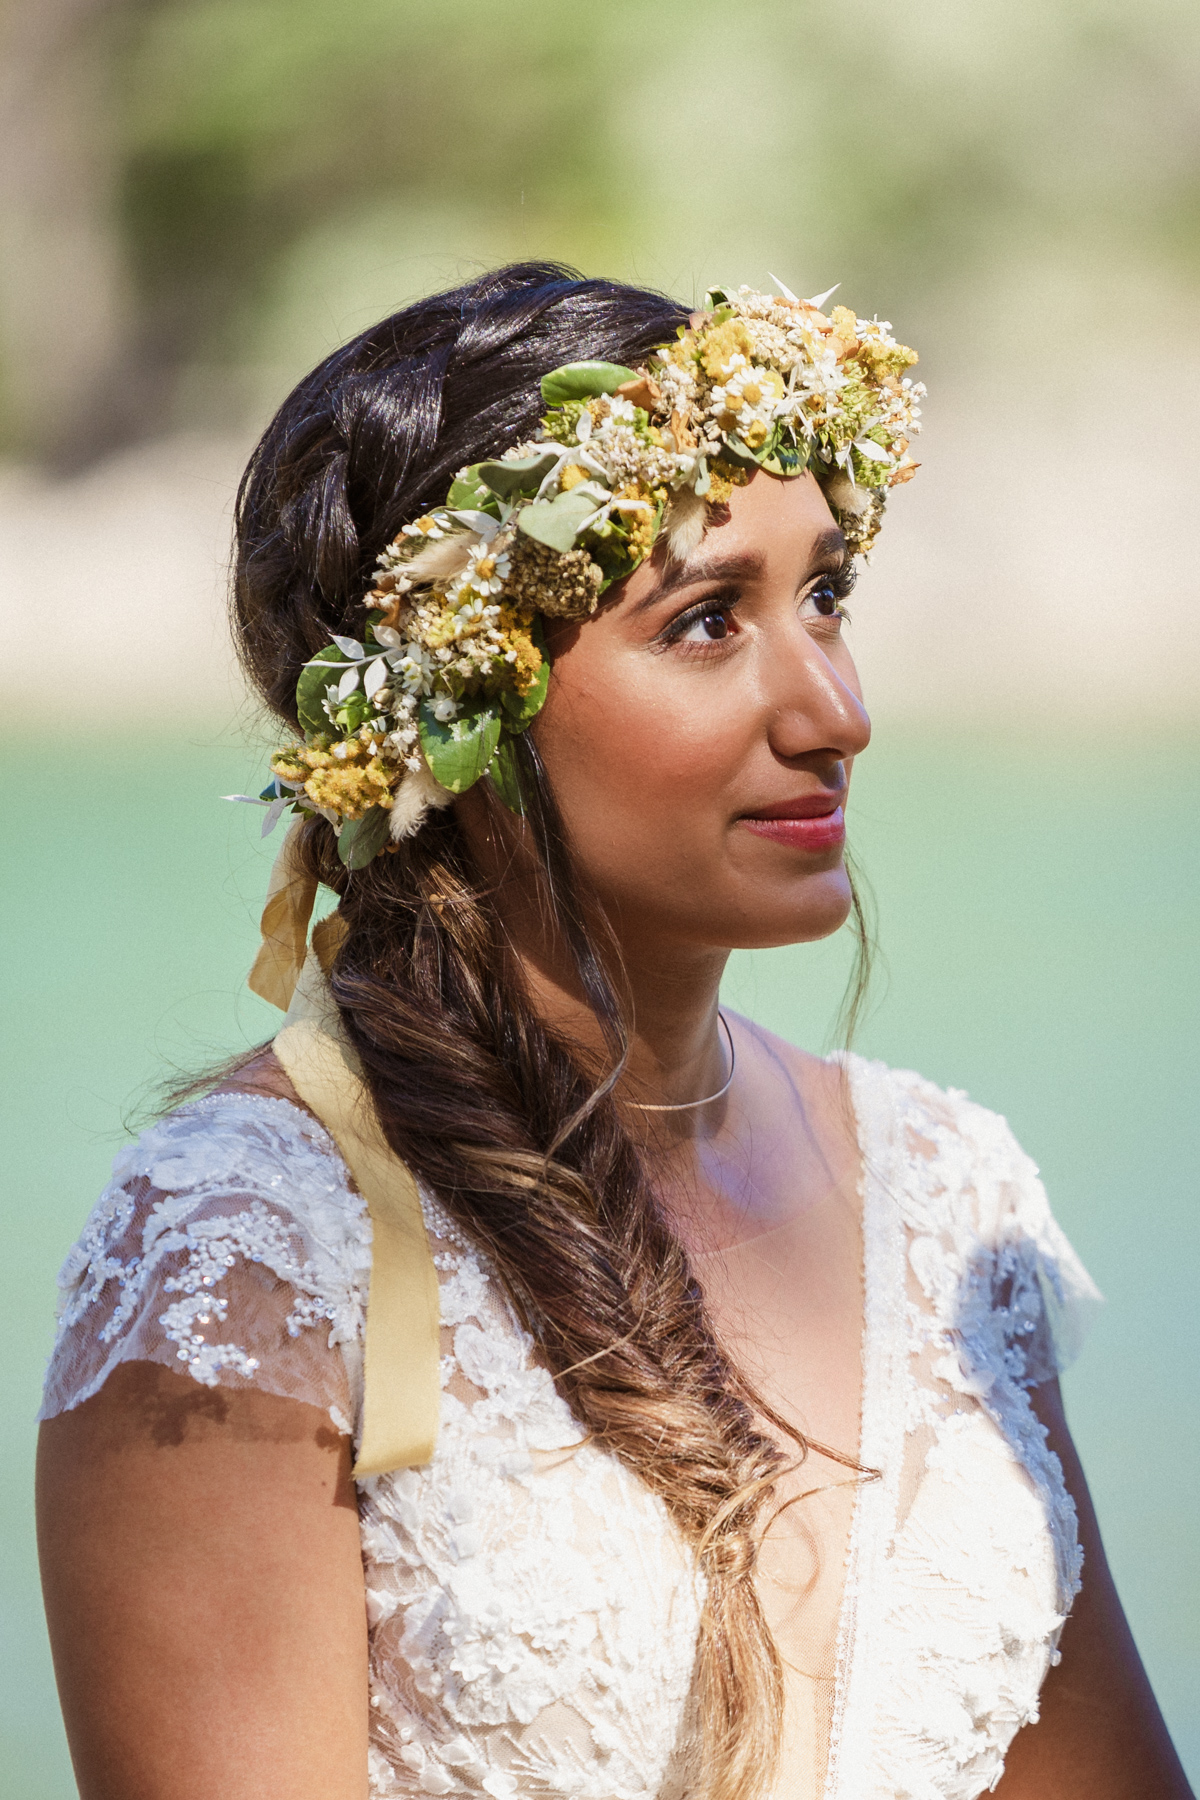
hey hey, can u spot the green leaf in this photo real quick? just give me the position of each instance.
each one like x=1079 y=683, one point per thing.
x=504 y=775
x=469 y=494
x=556 y=522
x=522 y=709
x=361 y=840
x=616 y=559
x=733 y=450
x=785 y=459
x=310 y=689
x=354 y=711
x=458 y=752
x=517 y=475
x=581 y=380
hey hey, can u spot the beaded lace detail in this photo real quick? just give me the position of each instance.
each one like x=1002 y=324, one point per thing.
x=965 y=1556
x=227 y=1238
x=534 y=1614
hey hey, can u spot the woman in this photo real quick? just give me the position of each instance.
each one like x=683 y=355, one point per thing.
x=743 y=1469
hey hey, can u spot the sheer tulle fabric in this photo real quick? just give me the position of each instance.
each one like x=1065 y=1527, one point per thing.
x=533 y=1612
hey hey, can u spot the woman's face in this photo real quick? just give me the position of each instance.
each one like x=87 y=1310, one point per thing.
x=699 y=733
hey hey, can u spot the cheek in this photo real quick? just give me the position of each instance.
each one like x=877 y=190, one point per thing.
x=625 y=748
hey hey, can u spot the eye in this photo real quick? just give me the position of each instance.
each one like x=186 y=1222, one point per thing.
x=825 y=597
x=713 y=624
x=708 y=622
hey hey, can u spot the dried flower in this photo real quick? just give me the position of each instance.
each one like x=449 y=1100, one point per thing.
x=450 y=666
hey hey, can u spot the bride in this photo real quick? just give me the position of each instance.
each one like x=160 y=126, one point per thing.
x=524 y=1377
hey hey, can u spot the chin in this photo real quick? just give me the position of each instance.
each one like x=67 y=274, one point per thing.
x=817 y=910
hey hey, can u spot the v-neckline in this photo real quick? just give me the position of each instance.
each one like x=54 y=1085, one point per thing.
x=881 y=1428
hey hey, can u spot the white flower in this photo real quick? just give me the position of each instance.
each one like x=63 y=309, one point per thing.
x=485 y=573
x=445 y=708
x=432 y=525
x=417 y=668
x=470 y=611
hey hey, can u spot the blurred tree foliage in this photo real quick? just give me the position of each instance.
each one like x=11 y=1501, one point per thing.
x=169 y=161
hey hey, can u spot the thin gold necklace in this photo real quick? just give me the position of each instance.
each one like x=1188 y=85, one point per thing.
x=685 y=1105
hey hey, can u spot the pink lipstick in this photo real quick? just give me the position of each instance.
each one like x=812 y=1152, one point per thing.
x=795 y=824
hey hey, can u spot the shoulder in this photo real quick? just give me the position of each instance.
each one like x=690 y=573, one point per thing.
x=957 y=1164
x=229 y=1228
x=972 y=1199
x=940 y=1126
x=815 y=1088
x=806 y=1072
x=252 y=1143
x=255 y=1165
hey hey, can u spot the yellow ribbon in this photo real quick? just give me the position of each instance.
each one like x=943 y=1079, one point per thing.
x=401 y=1359
x=291 y=895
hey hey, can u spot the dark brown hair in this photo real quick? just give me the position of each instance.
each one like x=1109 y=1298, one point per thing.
x=497 y=1114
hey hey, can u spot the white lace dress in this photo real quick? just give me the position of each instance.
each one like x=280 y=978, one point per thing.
x=533 y=1613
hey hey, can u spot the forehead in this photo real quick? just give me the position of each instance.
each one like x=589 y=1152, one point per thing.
x=771 y=525
x=769 y=508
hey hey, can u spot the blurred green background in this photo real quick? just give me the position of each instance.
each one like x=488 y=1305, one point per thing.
x=197 y=200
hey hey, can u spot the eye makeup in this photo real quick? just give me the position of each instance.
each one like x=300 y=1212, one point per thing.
x=827 y=591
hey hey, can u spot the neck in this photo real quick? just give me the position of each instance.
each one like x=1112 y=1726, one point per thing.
x=677 y=1052
x=668 y=992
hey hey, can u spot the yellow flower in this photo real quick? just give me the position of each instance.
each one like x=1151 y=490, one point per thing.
x=723 y=478
x=640 y=525
x=287 y=765
x=721 y=345
x=347 y=779
x=760 y=384
x=845 y=332
x=527 y=658
x=571 y=477
x=882 y=360
x=350 y=788
x=438 y=623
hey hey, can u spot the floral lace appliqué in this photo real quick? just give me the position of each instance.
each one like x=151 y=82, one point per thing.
x=533 y=1612
x=966 y=1557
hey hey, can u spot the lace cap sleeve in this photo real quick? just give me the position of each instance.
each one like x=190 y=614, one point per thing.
x=229 y=1246
x=1032 y=1291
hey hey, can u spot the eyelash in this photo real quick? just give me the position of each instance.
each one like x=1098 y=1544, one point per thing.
x=838 y=582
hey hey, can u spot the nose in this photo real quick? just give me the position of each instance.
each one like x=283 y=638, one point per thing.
x=814 y=706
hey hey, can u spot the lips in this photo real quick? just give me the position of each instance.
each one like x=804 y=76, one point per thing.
x=800 y=825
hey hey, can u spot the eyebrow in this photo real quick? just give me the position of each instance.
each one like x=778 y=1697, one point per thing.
x=743 y=566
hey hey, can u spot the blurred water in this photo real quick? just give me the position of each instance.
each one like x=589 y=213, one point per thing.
x=1037 y=901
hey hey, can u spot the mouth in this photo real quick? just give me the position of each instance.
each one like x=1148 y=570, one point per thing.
x=810 y=824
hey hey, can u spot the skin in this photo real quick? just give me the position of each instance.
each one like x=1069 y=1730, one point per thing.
x=200 y=1649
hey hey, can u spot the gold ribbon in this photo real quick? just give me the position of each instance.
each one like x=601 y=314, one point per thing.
x=401 y=1363
x=291 y=895
x=402 y=1349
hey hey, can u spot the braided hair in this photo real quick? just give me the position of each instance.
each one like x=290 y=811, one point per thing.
x=482 y=1100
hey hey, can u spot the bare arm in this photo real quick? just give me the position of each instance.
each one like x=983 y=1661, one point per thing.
x=204 y=1590
x=1100 y=1735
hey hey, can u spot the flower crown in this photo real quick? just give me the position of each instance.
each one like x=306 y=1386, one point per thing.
x=452 y=666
